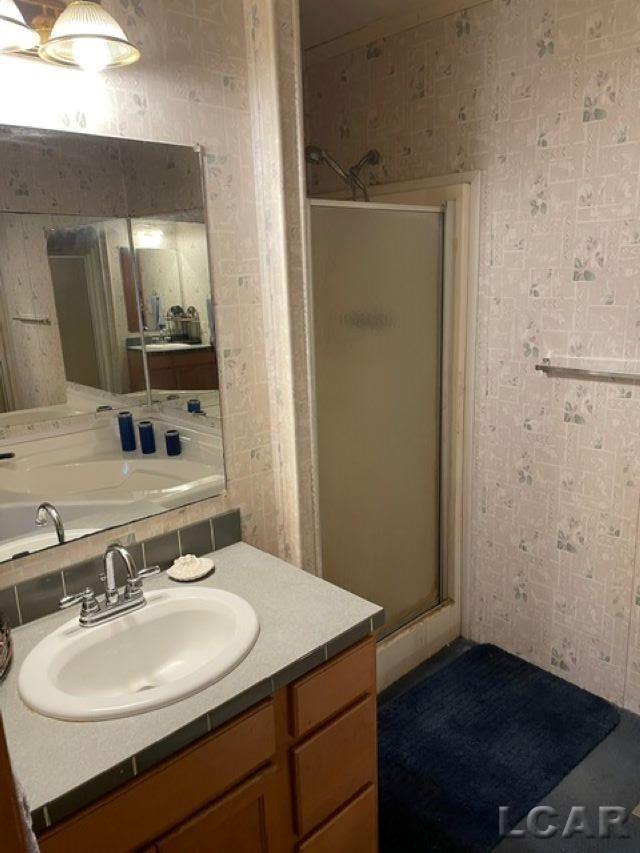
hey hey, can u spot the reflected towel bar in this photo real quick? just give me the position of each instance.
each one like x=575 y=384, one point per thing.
x=37 y=321
x=585 y=373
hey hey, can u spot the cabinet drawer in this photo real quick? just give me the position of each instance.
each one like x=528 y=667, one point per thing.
x=158 y=801
x=334 y=764
x=326 y=692
x=353 y=828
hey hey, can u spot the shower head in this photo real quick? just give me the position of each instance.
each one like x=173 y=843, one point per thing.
x=316 y=155
x=371 y=158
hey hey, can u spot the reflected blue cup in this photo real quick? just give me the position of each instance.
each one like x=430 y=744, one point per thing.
x=174 y=446
x=194 y=406
x=147 y=437
x=127 y=432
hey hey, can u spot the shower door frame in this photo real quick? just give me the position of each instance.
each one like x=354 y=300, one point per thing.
x=447 y=234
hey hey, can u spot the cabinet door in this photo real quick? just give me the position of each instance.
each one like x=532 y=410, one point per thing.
x=136 y=371
x=162 y=378
x=12 y=833
x=196 y=370
x=160 y=801
x=240 y=822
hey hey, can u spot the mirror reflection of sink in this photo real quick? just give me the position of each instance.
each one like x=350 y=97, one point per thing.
x=182 y=641
x=166 y=347
x=38 y=540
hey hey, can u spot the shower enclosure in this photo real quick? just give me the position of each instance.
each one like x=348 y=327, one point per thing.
x=380 y=329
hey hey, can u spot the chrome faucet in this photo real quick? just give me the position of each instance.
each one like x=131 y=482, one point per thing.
x=133 y=591
x=47 y=511
x=115 y=604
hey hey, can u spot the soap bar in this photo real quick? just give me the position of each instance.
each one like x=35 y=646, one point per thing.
x=190 y=568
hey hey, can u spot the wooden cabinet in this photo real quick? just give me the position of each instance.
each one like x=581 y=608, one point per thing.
x=239 y=822
x=324 y=692
x=295 y=774
x=179 y=370
x=335 y=764
x=158 y=801
x=353 y=828
x=12 y=835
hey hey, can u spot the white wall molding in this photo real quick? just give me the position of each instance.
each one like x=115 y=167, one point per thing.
x=262 y=47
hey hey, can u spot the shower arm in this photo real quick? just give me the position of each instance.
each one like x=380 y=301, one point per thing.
x=356 y=182
x=371 y=158
x=351 y=178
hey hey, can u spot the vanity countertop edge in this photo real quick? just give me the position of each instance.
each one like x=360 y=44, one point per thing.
x=304 y=621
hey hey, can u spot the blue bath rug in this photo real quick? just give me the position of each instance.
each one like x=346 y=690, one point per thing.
x=487 y=730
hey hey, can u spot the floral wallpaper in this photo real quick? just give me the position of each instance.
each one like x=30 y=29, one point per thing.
x=540 y=96
x=191 y=87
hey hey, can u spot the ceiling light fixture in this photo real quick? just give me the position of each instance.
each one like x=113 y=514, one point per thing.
x=87 y=36
x=15 y=34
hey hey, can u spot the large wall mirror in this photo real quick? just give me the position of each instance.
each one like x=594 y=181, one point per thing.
x=105 y=308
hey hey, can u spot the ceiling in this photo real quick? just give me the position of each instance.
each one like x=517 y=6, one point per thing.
x=323 y=20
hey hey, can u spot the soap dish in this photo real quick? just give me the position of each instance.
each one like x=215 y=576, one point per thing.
x=189 y=569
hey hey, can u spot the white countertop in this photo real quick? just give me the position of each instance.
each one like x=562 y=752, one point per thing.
x=169 y=348
x=299 y=614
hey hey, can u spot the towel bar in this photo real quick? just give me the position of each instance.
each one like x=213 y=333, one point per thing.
x=585 y=373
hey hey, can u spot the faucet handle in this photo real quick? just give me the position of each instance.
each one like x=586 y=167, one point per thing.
x=149 y=572
x=133 y=591
x=87 y=598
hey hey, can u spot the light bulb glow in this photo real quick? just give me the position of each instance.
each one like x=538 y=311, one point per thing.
x=150 y=238
x=14 y=32
x=47 y=93
x=91 y=54
x=87 y=36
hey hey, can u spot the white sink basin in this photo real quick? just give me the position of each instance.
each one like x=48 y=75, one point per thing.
x=166 y=347
x=182 y=641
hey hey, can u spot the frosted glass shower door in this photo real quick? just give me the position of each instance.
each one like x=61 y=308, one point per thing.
x=377 y=300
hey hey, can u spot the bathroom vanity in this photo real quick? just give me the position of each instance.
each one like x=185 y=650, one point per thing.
x=175 y=369
x=278 y=755
x=300 y=765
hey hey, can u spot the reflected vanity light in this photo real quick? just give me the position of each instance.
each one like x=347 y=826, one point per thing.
x=15 y=34
x=150 y=238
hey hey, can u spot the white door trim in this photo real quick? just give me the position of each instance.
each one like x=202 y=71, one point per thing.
x=374 y=205
x=460 y=587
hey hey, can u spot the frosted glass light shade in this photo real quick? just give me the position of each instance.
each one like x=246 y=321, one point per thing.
x=14 y=32
x=86 y=36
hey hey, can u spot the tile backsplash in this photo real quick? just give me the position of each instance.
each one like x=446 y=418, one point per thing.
x=41 y=596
